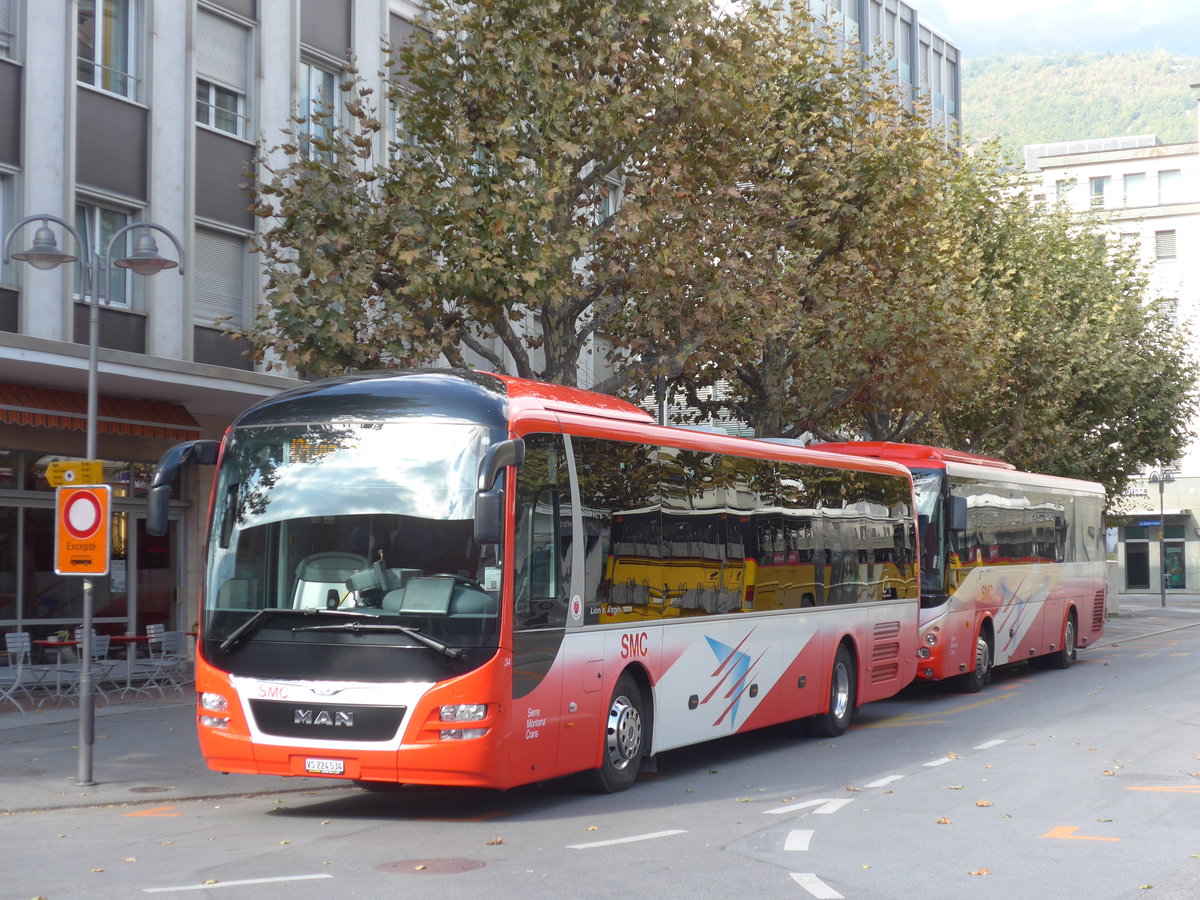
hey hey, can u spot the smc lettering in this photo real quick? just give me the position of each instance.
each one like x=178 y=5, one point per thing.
x=633 y=645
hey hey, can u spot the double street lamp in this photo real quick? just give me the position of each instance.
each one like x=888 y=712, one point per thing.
x=1162 y=478
x=144 y=260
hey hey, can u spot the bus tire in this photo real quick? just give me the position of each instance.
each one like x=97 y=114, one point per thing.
x=1062 y=659
x=625 y=730
x=843 y=689
x=975 y=680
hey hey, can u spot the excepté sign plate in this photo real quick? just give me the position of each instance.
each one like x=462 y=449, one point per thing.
x=82 y=534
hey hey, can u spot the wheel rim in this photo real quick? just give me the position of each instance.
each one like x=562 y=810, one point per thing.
x=1069 y=639
x=983 y=656
x=841 y=691
x=624 y=743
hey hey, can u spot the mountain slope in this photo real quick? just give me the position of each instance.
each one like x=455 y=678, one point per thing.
x=1035 y=98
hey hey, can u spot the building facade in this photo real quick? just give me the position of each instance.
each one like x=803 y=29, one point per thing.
x=1149 y=196
x=115 y=113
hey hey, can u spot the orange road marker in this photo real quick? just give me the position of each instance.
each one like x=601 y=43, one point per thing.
x=160 y=812
x=1067 y=833
x=1175 y=789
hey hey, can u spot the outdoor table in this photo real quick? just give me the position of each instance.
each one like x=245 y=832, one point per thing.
x=57 y=646
x=131 y=642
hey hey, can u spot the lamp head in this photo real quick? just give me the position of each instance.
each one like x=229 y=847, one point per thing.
x=44 y=254
x=144 y=260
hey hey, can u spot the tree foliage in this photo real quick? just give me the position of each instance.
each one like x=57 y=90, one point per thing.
x=707 y=198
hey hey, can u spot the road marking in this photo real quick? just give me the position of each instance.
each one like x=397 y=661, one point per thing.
x=798 y=839
x=935 y=718
x=242 y=883
x=815 y=886
x=824 y=806
x=988 y=745
x=883 y=782
x=1067 y=833
x=939 y=762
x=1176 y=789
x=626 y=840
x=156 y=812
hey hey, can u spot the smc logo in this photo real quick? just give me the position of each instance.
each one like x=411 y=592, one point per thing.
x=633 y=645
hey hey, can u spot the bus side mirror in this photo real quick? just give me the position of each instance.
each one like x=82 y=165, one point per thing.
x=958 y=514
x=489 y=499
x=189 y=453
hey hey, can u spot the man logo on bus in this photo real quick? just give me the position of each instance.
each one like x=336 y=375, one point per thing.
x=337 y=719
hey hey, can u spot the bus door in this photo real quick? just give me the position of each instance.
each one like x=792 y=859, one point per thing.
x=540 y=578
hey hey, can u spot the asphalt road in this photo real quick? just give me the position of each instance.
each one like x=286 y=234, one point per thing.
x=1083 y=783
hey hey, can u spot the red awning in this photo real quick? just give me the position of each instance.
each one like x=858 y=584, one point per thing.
x=22 y=404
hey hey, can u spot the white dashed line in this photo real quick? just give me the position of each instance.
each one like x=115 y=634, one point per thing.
x=823 y=806
x=225 y=884
x=938 y=762
x=798 y=839
x=989 y=745
x=815 y=886
x=883 y=782
x=625 y=840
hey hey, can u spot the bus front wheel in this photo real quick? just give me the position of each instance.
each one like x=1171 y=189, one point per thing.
x=842 y=692
x=625 y=731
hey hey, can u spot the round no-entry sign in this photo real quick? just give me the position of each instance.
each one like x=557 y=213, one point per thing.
x=82 y=538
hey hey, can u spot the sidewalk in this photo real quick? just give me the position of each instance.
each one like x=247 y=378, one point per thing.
x=146 y=752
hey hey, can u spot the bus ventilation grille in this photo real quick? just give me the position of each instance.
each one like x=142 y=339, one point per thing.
x=1098 y=611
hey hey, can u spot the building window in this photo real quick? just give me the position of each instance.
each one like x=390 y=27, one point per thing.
x=1168 y=186
x=222 y=65
x=1135 y=189
x=1099 y=187
x=107 y=34
x=97 y=225
x=1164 y=244
x=220 y=282
x=1063 y=188
x=8 y=27
x=904 y=51
x=319 y=103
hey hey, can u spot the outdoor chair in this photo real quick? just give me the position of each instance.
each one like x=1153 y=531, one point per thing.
x=167 y=660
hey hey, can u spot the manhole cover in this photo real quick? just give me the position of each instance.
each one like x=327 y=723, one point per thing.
x=431 y=866
x=148 y=790
x=20 y=771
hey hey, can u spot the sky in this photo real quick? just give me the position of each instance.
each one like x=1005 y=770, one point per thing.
x=979 y=27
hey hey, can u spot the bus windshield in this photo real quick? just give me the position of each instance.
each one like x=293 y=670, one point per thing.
x=348 y=521
x=928 y=487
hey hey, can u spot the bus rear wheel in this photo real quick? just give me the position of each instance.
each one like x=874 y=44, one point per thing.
x=842 y=692
x=974 y=681
x=1063 y=658
x=625 y=731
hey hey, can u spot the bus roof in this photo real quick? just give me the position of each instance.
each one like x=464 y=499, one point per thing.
x=912 y=454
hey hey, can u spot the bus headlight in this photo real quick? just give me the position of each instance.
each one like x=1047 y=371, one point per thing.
x=463 y=712
x=214 y=703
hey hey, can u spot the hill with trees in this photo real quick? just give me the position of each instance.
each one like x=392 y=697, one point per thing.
x=1036 y=98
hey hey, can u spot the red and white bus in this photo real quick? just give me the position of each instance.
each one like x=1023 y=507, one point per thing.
x=1012 y=563
x=469 y=579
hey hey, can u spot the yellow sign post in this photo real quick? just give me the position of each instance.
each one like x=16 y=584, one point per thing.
x=82 y=536
x=63 y=473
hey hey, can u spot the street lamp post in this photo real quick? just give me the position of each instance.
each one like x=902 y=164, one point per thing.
x=44 y=254
x=1162 y=478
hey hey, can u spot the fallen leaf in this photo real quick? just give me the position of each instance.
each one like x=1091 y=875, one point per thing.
x=1146 y=887
x=1109 y=772
x=943 y=821
x=952 y=756
x=853 y=789
x=129 y=859
x=592 y=828
x=494 y=841
x=211 y=881
x=165 y=843
x=983 y=802
x=285 y=842
x=419 y=868
x=980 y=872
x=97 y=870
x=954 y=787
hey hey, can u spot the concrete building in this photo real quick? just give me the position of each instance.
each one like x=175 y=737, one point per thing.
x=119 y=112
x=1149 y=193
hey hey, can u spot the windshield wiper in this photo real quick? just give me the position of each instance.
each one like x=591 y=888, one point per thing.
x=358 y=625
x=253 y=623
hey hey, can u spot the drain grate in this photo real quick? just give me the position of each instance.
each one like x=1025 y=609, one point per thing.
x=149 y=789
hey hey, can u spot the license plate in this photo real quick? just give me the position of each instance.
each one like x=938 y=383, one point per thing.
x=325 y=766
